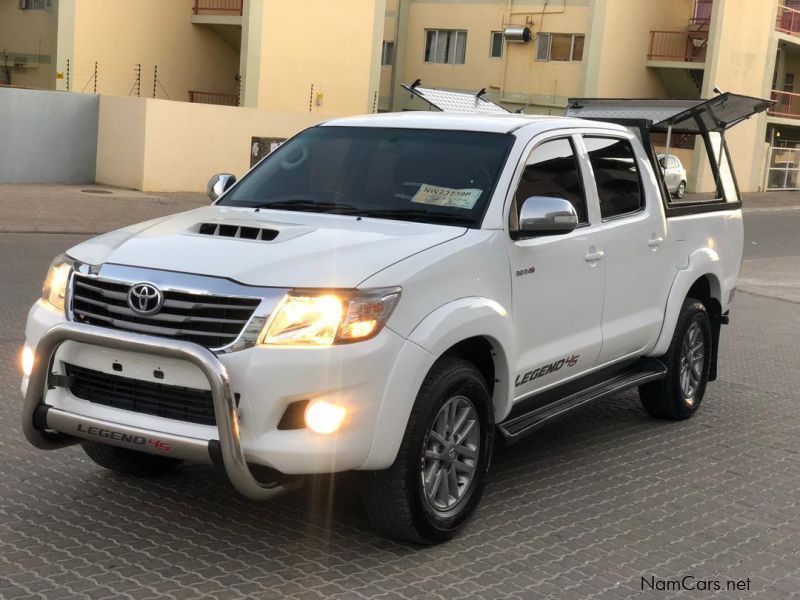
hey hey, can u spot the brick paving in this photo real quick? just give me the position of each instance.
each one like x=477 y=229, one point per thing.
x=584 y=509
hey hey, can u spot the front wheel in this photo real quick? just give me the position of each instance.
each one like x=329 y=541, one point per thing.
x=680 y=393
x=681 y=191
x=437 y=479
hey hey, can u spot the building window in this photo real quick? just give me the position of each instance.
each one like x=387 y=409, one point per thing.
x=445 y=46
x=35 y=4
x=387 y=53
x=562 y=47
x=496 y=50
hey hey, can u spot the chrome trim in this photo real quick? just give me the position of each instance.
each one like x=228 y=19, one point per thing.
x=200 y=285
x=183 y=448
x=224 y=403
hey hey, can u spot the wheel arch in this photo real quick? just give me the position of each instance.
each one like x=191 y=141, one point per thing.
x=702 y=281
x=475 y=329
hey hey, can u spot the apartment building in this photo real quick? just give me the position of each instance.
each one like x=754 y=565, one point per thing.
x=533 y=55
x=315 y=56
x=353 y=56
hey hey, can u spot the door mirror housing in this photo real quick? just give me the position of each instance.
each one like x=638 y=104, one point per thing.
x=543 y=215
x=219 y=184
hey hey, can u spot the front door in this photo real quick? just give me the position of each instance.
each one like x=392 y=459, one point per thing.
x=557 y=280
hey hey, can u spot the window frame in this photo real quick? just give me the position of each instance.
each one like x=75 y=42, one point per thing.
x=512 y=219
x=642 y=195
x=492 y=35
x=549 y=53
x=450 y=52
x=387 y=44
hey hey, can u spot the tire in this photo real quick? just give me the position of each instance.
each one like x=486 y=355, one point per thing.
x=129 y=462
x=395 y=499
x=681 y=191
x=680 y=393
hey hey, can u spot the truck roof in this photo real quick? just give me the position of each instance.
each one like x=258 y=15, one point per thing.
x=493 y=123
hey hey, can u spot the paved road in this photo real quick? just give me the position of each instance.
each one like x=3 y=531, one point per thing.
x=585 y=509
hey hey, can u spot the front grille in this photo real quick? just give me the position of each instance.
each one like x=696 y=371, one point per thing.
x=159 y=399
x=211 y=321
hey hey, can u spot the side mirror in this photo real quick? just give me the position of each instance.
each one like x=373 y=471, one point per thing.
x=219 y=184
x=542 y=215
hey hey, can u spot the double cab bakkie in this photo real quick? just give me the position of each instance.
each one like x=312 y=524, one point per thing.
x=393 y=295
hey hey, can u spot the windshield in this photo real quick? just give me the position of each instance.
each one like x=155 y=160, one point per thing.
x=434 y=176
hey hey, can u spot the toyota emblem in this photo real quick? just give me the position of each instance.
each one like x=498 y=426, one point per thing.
x=145 y=299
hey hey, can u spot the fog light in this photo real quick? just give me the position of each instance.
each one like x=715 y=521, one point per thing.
x=324 y=417
x=26 y=360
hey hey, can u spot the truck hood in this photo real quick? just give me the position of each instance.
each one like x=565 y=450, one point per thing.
x=305 y=249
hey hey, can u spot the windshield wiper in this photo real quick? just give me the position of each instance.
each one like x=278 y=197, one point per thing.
x=307 y=205
x=415 y=214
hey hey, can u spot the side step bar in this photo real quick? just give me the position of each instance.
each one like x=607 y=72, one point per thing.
x=521 y=423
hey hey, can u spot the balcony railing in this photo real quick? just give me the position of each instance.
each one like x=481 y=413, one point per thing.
x=686 y=46
x=212 y=98
x=788 y=20
x=787 y=104
x=233 y=7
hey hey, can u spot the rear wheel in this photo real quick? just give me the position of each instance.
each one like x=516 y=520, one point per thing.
x=680 y=393
x=129 y=462
x=439 y=474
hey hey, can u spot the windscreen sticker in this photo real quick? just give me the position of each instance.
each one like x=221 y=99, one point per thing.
x=442 y=196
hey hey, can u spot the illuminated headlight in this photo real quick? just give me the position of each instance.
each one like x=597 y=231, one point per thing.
x=26 y=358
x=54 y=291
x=324 y=417
x=323 y=318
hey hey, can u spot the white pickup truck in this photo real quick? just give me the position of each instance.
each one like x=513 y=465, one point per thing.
x=389 y=294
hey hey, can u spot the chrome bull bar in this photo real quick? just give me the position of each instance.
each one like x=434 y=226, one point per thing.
x=64 y=427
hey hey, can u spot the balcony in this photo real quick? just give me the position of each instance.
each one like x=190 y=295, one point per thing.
x=678 y=46
x=218 y=7
x=213 y=98
x=787 y=105
x=788 y=20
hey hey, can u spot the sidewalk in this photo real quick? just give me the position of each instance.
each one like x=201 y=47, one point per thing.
x=93 y=209
x=88 y=209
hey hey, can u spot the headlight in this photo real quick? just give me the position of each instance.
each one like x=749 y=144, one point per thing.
x=323 y=318
x=54 y=290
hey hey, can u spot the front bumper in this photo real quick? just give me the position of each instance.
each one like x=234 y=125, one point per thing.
x=49 y=428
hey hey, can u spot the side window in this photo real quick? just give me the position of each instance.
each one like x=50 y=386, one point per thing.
x=552 y=170
x=616 y=174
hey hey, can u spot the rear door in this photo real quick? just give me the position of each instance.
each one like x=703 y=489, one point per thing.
x=632 y=234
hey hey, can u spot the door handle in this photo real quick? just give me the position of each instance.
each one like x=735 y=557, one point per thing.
x=594 y=256
x=655 y=241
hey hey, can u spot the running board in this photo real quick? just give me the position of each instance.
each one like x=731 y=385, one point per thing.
x=522 y=422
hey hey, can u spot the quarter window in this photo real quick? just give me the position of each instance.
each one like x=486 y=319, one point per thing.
x=496 y=49
x=445 y=46
x=616 y=174
x=552 y=170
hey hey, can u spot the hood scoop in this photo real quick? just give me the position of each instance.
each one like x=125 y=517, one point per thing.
x=242 y=232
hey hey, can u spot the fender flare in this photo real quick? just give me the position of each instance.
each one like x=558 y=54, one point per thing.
x=440 y=330
x=702 y=263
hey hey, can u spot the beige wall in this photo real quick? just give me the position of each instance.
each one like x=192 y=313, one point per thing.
x=742 y=50
x=334 y=46
x=119 y=34
x=517 y=79
x=30 y=34
x=157 y=145
x=619 y=38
